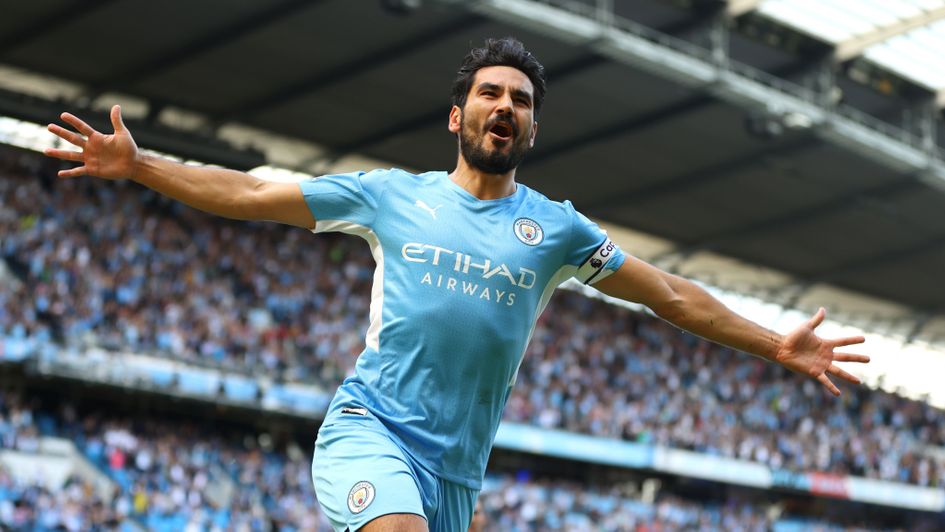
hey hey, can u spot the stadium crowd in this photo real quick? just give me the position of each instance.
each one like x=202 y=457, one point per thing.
x=109 y=264
x=174 y=475
x=28 y=503
x=169 y=475
x=116 y=267
x=166 y=472
x=516 y=504
x=32 y=506
x=622 y=375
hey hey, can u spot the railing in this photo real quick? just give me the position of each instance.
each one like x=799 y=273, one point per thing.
x=885 y=128
x=602 y=12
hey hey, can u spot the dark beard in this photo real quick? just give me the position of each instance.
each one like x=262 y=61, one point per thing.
x=490 y=162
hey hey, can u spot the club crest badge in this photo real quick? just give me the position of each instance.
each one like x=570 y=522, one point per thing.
x=528 y=231
x=360 y=496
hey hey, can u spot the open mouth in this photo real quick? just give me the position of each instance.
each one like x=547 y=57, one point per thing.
x=502 y=130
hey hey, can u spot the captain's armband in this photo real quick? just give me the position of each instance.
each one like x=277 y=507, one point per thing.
x=594 y=267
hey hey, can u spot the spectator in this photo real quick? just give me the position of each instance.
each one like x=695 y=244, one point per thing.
x=175 y=283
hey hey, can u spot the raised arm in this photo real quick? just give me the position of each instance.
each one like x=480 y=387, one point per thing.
x=226 y=193
x=689 y=307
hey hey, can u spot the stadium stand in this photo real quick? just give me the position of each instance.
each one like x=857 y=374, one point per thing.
x=619 y=374
x=31 y=506
x=130 y=271
x=618 y=421
x=175 y=475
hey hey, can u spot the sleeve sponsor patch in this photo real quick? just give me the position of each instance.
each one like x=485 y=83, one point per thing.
x=593 y=268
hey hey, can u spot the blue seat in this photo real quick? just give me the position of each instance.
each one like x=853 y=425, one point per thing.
x=240 y=388
x=161 y=377
x=198 y=383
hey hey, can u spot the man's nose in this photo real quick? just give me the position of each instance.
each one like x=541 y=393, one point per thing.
x=504 y=105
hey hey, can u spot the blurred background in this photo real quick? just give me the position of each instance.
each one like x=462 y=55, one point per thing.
x=161 y=369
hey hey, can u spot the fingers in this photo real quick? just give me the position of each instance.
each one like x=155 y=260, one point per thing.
x=66 y=135
x=850 y=357
x=850 y=340
x=116 y=119
x=75 y=122
x=827 y=384
x=73 y=172
x=66 y=155
x=818 y=318
x=849 y=377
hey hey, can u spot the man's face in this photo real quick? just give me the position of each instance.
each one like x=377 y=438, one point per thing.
x=496 y=127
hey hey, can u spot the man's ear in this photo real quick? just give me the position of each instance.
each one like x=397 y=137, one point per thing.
x=456 y=116
x=531 y=140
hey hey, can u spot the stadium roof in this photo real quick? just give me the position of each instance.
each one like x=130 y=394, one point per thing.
x=854 y=25
x=723 y=127
x=917 y=55
x=904 y=36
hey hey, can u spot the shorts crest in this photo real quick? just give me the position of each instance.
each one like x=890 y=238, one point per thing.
x=360 y=496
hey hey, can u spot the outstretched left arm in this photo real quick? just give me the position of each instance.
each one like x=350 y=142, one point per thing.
x=689 y=307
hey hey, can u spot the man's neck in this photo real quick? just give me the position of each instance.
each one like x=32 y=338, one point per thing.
x=482 y=185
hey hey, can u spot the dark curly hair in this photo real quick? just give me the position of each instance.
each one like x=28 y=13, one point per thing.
x=507 y=51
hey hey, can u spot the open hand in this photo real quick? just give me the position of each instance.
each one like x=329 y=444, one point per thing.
x=107 y=156
x=805 y=352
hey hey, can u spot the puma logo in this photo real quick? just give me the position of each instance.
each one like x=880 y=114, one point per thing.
x=424 y=206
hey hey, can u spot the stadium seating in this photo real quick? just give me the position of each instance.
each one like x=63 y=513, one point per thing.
x=112 y=266
x=174 y=475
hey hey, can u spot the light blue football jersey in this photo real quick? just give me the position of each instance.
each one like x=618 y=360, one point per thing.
x=459 y=285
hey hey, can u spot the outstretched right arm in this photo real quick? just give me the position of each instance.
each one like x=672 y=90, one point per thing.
x=222 y=192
